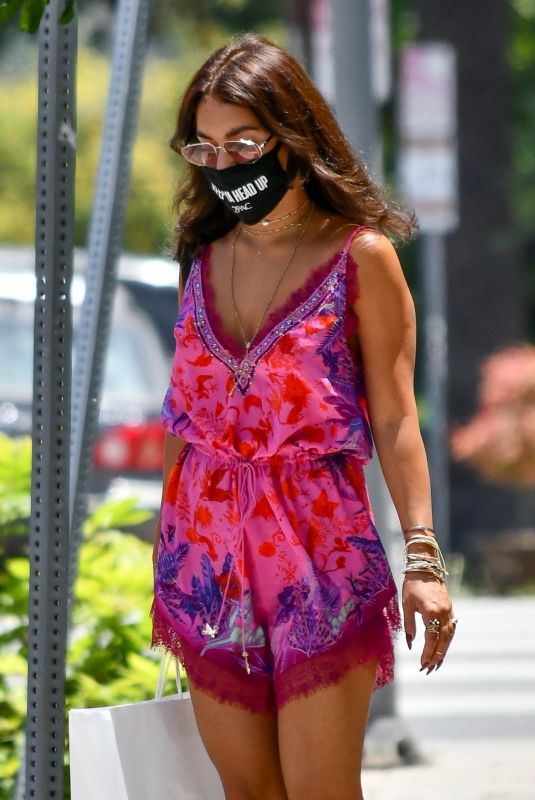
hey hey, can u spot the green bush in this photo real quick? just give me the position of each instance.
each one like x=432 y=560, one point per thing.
x=109 y=660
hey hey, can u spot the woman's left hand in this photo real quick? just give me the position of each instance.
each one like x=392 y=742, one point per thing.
x=429 y=596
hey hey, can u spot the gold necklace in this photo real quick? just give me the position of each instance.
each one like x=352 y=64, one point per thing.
x=267 y=221
x=270 y=233
x=298 y=240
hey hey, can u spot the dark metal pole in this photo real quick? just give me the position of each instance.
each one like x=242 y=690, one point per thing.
x=105 y=238
x=49 y=525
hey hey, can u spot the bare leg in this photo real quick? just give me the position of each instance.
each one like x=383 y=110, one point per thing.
x=321 y=739
x=243 y=747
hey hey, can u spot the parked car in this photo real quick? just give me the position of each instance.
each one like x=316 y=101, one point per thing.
x=127 y=457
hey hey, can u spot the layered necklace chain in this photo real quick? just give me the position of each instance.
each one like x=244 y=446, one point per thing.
x=258 y=234
x=297 y=242
x=266 y=221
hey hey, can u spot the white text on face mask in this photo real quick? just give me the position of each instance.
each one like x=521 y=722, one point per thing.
x=242 y=192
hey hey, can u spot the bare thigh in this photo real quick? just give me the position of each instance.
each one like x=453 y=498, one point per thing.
x=321 y=739
x=243 y=747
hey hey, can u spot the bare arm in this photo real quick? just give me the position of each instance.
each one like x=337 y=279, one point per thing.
x=387 y=335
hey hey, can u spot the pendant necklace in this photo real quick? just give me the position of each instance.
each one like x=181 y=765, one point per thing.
x=298 y=239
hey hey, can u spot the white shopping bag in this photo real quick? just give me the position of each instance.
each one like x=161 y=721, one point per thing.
x=141 y=751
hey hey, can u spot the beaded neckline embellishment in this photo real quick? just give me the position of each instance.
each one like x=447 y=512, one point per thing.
x=243 y=371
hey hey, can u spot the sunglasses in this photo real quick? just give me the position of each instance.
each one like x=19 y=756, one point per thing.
x=242 y=151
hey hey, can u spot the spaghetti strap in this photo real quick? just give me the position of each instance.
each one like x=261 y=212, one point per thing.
x=353 y=235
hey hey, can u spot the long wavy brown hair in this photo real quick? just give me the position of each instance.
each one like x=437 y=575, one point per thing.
x=253 y=72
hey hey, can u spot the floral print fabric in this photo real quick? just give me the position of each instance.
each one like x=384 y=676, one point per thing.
x=271 y=579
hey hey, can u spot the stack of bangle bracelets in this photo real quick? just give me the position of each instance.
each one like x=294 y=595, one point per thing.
x=424 y=562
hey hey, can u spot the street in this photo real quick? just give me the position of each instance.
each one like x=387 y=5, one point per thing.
x=473 y=722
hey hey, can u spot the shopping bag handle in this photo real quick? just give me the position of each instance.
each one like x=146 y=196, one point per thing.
x=162 y=678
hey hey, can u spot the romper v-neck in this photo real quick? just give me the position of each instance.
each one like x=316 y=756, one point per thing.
x=316 y=278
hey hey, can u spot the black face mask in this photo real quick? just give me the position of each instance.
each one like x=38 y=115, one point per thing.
x=251 y=191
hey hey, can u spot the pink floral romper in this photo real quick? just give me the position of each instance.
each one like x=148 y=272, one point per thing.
x=271 y=579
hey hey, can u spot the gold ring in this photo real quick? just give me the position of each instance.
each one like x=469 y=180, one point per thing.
x=440 y=653
x=433 y=626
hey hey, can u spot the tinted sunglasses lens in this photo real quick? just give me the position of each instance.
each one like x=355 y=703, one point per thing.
x=243 y=152
x=203 y=154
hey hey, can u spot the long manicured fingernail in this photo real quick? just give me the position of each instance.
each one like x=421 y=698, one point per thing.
x=424 y=666
x=408 y=637
x=440 y=664
x=431 y=668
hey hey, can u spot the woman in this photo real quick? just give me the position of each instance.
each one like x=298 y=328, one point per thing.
x=271 y=582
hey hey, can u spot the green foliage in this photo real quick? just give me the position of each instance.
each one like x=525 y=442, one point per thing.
x=17 y=161
x=31 y=12
x=521 y=58
x=154 y=165
x=225 y=13
x=111 y=625
x=231 y=15
x=15 y=469
x=109 y=660
x=8 y=9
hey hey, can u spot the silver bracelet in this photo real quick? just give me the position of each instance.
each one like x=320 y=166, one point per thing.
x=425 y=562
x=424 y=567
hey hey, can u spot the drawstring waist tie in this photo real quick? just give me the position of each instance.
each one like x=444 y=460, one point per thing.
x=245 y=476
x=245 y=480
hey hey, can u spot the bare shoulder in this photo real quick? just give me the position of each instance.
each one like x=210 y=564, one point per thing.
x=376 y=260
x=383 y=291
x=371 y=247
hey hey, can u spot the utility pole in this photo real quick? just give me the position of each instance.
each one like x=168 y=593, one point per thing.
x=41 y=773
x=356 y=107
x=360 y=84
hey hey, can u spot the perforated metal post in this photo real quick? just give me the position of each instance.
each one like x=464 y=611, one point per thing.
x=49 y=527
x=105 y=237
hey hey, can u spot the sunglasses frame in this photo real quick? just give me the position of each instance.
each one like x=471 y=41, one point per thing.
x=222 y=147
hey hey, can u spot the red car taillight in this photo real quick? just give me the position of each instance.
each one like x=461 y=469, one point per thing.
x=133 y=448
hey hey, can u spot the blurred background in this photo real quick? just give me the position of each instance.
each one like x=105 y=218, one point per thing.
x=486 y=307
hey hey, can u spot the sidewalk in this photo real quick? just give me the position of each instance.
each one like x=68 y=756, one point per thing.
x=463 y=770
x=473 y=722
